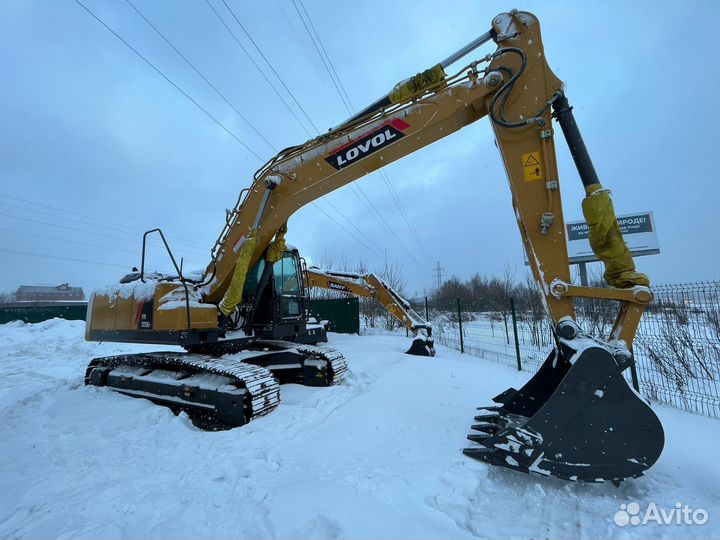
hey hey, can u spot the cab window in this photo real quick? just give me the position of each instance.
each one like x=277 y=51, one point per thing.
x=287 y=279
x=253 y=278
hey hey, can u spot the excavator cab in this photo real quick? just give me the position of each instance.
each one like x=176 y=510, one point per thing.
x=280 y=301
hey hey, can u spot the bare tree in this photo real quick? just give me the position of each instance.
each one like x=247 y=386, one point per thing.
x=531 y=312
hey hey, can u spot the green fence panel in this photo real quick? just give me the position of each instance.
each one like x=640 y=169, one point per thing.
x=34 y=312
x=343 y=313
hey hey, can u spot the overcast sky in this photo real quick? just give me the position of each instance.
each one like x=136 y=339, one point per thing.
x=96 y=147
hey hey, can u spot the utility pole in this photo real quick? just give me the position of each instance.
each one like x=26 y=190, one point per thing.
x=438 y=272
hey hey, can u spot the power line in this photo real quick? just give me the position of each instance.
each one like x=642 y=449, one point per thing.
x=384 y=222
x=56 y=195
x=192 y=100
x=351 y=110
x=67 y=240
x=347 y=105
x=298 y=104
x=347 y=231
x=404 y=213
x=360 y=231
x=301 y=42
x=55 y=225
x=270 y=65
x=340 y=88
x=367 y=203
x=322 y=46
x=256 y=66
x=370 y=206
x=58 y=257
x=98 y=19
x=76 y=221
x=115 y=224
x=211 y=85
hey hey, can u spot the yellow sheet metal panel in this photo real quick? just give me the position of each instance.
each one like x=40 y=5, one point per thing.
x=103 y=312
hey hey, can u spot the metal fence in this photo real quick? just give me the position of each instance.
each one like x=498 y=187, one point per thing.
x=677 y=347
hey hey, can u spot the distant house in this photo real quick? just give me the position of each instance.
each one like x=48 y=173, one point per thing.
x=37 y=293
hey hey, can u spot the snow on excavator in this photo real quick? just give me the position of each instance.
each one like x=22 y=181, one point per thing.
x=245 y=316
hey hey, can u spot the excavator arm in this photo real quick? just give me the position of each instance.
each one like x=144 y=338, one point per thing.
x=515 y=87
x=372 y=286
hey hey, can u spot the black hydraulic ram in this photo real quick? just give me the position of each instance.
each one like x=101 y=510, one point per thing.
x=578 y=150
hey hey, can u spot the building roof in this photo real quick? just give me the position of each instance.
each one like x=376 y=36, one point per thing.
x=45 y=289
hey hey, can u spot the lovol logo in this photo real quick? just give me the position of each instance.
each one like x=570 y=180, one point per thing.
x=367 y=144
x=337 y=286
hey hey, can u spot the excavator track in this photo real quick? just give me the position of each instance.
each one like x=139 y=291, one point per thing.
x=217 y=393
x=329 y=362
x=310 y=365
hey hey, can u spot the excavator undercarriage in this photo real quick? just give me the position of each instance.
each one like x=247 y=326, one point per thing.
x=227 y=377
x=238 y=383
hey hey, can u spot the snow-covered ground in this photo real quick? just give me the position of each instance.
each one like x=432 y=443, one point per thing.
x=378 y=456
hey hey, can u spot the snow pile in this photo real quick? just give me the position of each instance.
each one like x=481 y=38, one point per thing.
x=376 y=457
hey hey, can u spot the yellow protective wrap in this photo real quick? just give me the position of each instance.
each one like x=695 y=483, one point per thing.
x=233 y=295
x=416 y=84
x=277 y=248
x=607 y=241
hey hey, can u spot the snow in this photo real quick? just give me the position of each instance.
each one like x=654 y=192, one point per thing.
x=181 y=304
x=135 y=289
x=378 y=456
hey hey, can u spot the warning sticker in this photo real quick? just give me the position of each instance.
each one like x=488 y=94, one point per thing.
x=532 y=166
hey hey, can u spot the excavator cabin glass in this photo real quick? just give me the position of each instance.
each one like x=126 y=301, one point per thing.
x=288 y=286
x=253 y=278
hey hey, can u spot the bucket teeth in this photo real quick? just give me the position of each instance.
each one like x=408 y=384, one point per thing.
x=483 y=454
x=478 y=438
x=487 y=417
x=490 y=408
x=485 y=428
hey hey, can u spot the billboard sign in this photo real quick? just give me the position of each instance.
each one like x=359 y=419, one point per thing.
x=638 y=230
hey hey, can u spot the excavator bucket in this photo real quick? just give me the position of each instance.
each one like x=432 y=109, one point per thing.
x=576 y=419
x=422 y=347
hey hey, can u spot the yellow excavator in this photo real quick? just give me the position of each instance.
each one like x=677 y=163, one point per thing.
x=373 y=286
x=245 y=317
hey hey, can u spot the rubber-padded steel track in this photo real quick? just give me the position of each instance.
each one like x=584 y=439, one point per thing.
x=260 y=384
x=336 y=365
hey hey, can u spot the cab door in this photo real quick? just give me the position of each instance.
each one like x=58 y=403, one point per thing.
x=288 y=289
